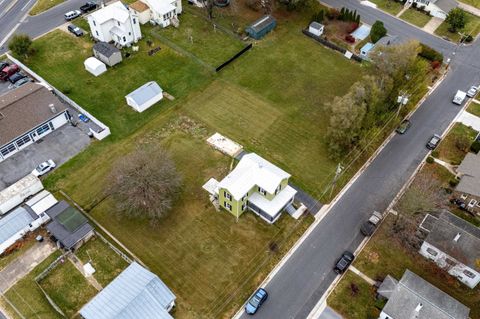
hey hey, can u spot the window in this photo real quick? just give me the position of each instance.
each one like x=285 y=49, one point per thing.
x=23 y=140
x=472 y=203
x=262 y=191
x=279 y=188
x=227 y=206
x=118 y=22
x=129 y=33
x=134 y=20
x=94 y=24
x=97 y=33
x=244 y=197
x=227 y=195
x=124 y=39
x=450 y=262
x=432 y=252
x=244 y=206
x=43 y=129
x=469 y=274
x=7 y=149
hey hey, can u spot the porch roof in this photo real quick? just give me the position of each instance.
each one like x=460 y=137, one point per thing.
x=272 y=207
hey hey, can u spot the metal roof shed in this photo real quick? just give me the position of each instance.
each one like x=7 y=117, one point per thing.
x=261 y=27
x=135 y=293
x=94 y=66
x=145 y=96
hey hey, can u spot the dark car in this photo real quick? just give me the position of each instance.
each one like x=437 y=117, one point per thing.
x=75 y=30
x=15 y=77
x=403 y=127
x=433 y=142
x=21 y=82
x=8 y=71
x=89 y=6
x=3 y=65
x=256 y=301
x=343 y=263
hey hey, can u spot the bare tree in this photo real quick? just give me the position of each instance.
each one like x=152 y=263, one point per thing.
x=144 y=183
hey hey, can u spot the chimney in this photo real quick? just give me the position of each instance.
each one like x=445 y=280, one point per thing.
x=52 y=108
x=456 y=237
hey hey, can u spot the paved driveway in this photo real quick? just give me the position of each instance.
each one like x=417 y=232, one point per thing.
x=60 y=145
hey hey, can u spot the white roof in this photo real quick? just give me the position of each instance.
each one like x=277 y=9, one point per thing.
x=116 y=11
x=93 y=63
x=273 y=207
x=160 y=6
x=41 y=202
x=224 y=145
x=253 y=170
x=211 y=186
x=145 y=93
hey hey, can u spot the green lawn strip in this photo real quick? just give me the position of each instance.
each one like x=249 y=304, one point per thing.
x=474 y=108
x=448 y=150
x=385 y=255
x=472 y=28
x=27 y=297
x=68 y=288
x=44 y=5
x=389 y=6
x=107 y=263
x=474 y=3
x=416 y=17
x=354 y=298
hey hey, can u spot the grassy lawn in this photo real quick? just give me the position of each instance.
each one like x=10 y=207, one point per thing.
x=107 y=263
x=474 y=108
x=68 y=288
x=449 y=150
x=27 y=296
x=472 y=27
x=416 y=17
x=350 y=304
x=389 y=6
x=475 y=3
x=44 y=5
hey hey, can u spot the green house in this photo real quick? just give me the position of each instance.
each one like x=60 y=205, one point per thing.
x=256 y=185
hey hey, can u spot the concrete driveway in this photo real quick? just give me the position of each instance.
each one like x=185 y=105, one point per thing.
x=60 y=145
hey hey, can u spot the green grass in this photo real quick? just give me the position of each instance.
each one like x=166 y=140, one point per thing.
x=107 y=263
x=415 y=17
x=474 y=108
x=353 y=305
x=389 y=6
x=44 y=5
x=27 y=296
x=68 y=288
x=448 y=151
x=472 y=27
x=475 y=3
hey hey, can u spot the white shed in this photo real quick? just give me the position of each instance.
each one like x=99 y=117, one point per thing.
x=95 y=66
x=316 y=28
x=145 y=96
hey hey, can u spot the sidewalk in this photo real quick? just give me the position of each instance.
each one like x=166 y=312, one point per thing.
x=469 y=8
x=432 y=25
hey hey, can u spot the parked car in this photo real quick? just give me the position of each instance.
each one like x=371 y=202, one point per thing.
x=21 y=82
x=70 y=15
x=89 y=6
x=8 y=71
x=256 y=301
x=15 y=77
x=403 y=127
x=44 y=168
x=459 y=97
x=344 y=262
x=369 y=226
x=459 y=203
x=3 y=65
x=433 y=142
x=75 y=30
x=472 y=91
x=83 y=118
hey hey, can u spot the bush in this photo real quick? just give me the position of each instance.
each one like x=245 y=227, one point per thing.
x=435 y=64
x=435 y=153
x=352 y=27
x=253 y=4
x=430 y=54
x=21 y=45
x=475 y=147
x=333 y=14
x=462 y=143
x=430 y=160
x=453 y=182
x=414 y=5
x=378 y=31
x=319 y=16
x=467 y=38
x=349 y=38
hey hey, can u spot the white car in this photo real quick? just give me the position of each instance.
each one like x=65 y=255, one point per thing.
x=472 y=91
x=70 y=15
x=44 y=168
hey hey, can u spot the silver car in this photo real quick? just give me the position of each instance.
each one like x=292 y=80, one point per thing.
x=472 y=91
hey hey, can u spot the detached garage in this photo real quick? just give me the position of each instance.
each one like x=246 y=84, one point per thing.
x=95 y=66
x=145 y=96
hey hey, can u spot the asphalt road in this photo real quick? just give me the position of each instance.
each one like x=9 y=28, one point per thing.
x=305 y=277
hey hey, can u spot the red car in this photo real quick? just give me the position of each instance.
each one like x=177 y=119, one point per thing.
x=8 y=71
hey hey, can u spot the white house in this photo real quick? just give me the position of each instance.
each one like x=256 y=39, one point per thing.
x=115 y=23
x=95 y=66
x=437 y=8
x=145 y=96
x=453 y=244
x=161 y=12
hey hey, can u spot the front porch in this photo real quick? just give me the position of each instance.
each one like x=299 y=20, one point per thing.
x=271 y=210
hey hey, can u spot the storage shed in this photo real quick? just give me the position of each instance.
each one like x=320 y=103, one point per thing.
x=145 y=96
x=316 y=28
x=107 y=53
x=365 y=50
x=261 y=27
x=95 y=66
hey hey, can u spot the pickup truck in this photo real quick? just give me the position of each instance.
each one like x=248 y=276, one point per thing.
x=89 y=6
x=459 y=97
x=8 y=71
x=369 y=226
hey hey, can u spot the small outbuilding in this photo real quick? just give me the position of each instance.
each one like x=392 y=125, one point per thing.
x=365 y=50
x=95 y=66
x=107 y=53
x=261 y=27
x=145 y=96
x=316 y=28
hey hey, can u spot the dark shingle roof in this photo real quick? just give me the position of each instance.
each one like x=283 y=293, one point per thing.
x=105 y=49
x=470 y=175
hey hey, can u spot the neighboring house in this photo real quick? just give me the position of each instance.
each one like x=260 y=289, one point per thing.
x=20 y=221
x=437 y=8
x=95 y=66
x=161 y=12
x=28 y=114
x=385 y=41
x=454 y=244
x=115 y=23
x=468 y=189
x=414 y=298
x=145 y=96
x=69 y=227
x=316 y=28
x=107 y=53
x=135 y=293
x=254 y=184
x=261 y=27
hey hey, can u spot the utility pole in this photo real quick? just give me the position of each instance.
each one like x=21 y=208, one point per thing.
x=337 y=175
x=402 y=100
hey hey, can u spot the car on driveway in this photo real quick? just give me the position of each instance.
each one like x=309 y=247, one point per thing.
x=89 y=6
x=433 y=142
x=344 y=262
x=83 y=118
x=256 y=301
x=75 y=30
x=21 y=82
x=44 y=168
x=8 y=71
x=70 y=15
x=16 y=77
x=403 y=127
x=472 y=91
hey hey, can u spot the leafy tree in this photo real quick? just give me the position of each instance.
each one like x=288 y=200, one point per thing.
x=378 y=31
x=144 y=183
x=20 y=45
x=456 y=19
